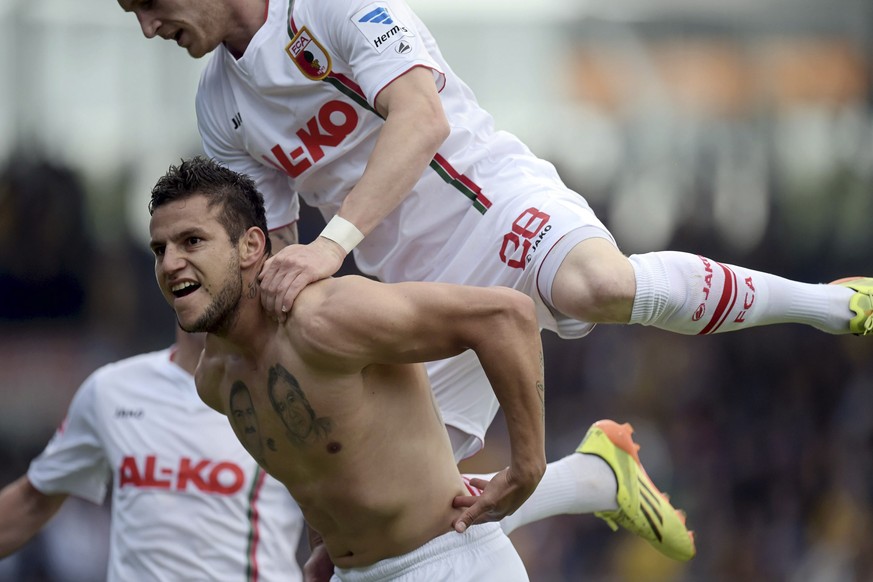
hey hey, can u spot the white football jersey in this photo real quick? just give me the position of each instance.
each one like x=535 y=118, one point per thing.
x=296 y=112
x=188 y=502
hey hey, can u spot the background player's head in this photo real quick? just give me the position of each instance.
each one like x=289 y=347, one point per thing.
x=197 y=26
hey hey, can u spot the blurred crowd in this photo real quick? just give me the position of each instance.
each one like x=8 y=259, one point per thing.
x=763 y=437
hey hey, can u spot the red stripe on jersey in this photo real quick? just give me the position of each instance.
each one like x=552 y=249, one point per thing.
x=348 y=83
x=255 y=524
x=725 y=303
x=451 y=171
x=431 y=69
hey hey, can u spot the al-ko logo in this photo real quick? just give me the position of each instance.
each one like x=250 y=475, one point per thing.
x=221 y=477
x=334 y=121
x=379 y=26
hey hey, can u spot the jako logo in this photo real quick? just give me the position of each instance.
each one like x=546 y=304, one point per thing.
x=223 y=478
x=378 y=16
x=129 y=413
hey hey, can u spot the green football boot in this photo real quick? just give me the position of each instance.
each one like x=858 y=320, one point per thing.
x=861 y=303
x=642 y=508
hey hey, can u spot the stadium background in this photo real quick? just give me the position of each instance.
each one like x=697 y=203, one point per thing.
x=740 y=130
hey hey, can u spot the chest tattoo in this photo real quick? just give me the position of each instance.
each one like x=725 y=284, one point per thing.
x=302 y=423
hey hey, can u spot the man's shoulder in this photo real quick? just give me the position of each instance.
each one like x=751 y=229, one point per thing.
x=314 y=295
x=325 y=308
x=139 y=362
x=136 y=370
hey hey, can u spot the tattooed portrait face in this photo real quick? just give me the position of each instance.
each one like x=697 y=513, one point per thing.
x=245 y=419
x=292 y=406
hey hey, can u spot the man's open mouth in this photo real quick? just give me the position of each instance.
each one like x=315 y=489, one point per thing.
x=183 y=289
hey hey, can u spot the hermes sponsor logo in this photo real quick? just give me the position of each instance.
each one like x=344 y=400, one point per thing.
x=380 y=26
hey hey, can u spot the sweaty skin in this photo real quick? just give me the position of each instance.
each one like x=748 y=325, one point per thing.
x=334 y=401
x=338 y=462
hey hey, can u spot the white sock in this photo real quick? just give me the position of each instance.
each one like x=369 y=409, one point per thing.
x=577 y=483
x=690 y=294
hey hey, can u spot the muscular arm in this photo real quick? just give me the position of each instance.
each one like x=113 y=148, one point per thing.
x=23 y=512
x=415 y=127
x=356 y=321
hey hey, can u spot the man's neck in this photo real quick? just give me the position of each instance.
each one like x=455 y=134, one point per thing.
x=188 y=349
x=249 y=17
x=250 y=327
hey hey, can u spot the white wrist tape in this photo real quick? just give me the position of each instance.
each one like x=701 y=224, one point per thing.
x=343 y=233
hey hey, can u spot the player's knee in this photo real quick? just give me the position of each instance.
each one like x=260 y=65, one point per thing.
x=598 y=286
x=604 y=298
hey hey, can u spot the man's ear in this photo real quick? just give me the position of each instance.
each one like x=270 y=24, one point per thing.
x=252 y=246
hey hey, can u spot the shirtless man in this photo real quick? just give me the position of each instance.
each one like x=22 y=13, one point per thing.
x=341 y=410
x=350 y=105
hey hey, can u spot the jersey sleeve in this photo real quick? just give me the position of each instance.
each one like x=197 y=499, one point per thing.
x=380 y=41
x=216 y=115
x=75 y=460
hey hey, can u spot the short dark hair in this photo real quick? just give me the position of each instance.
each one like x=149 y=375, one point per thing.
x=242 y=204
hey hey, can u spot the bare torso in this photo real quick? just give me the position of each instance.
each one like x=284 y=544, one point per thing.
x=364 y=453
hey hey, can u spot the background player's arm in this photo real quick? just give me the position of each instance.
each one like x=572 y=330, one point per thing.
x=24 y=510
x=354 y=322
x=318 y=567
x=415 y=127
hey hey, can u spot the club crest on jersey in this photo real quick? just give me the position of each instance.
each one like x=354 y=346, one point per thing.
x=309 y=56
x=380 y=27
